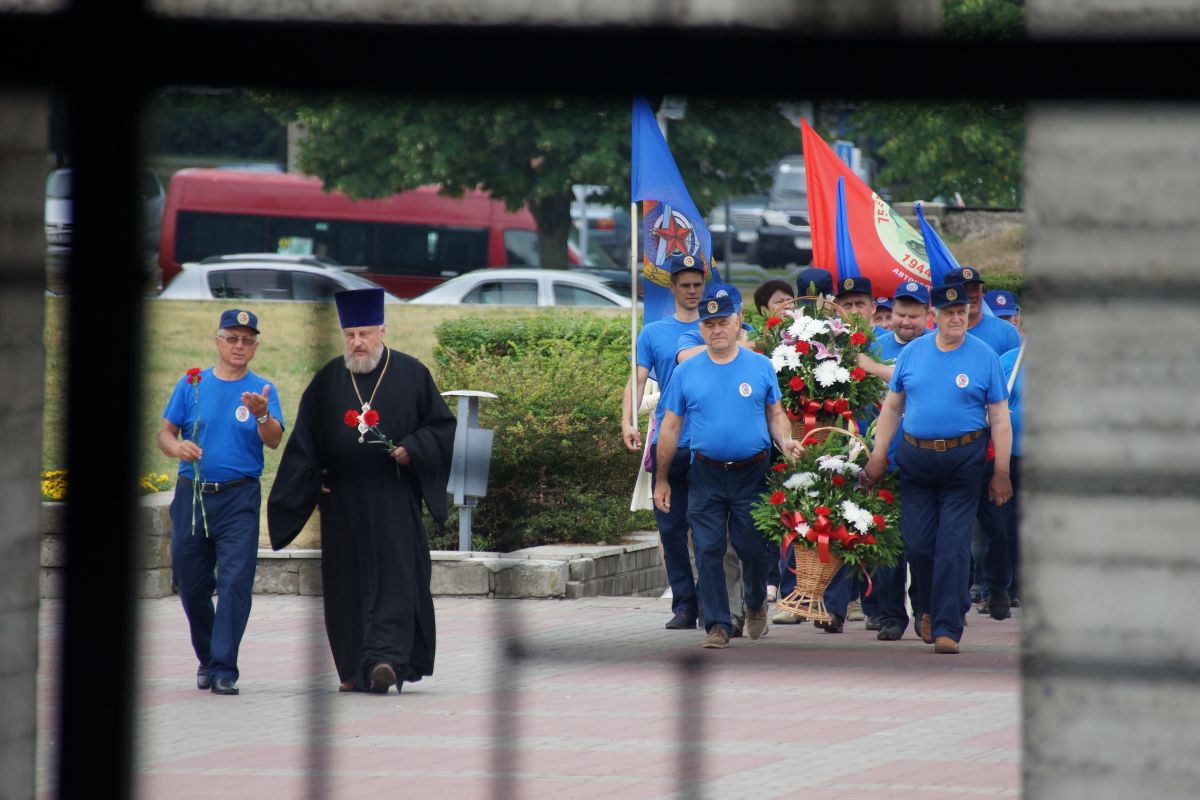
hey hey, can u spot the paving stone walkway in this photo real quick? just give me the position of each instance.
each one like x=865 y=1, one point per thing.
x=587 y=698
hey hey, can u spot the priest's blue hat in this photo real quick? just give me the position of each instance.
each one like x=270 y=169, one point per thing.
x=359 y=308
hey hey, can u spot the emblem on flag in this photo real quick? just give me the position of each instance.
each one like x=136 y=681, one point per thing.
x=243 y=318
x=951 y=294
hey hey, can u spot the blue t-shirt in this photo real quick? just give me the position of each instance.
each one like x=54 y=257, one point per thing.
x=1001 y=336
x=656 y=352
x=887 y=348
x=946 y=394
x=1007 y=362
x=228 y=433
x=725 y=404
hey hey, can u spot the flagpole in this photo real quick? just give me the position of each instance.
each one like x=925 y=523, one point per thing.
x=634 y=228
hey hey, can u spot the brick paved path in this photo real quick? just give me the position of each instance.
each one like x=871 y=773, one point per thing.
x=596 y=706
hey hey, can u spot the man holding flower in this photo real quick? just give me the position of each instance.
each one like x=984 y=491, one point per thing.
x=225 y=414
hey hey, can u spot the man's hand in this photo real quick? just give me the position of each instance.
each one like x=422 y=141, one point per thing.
x=876 y=468
x=324 y=488
x=1000 y=488
x=401 y=456
x=662 y=496
x=792 y=449
x=189 y=451
x=632 y=437
x=256 y=403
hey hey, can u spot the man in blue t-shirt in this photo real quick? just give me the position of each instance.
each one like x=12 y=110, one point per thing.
x=729 y=398
x=656 y=347
x=998 y=334
x=225 y=414
x=947 y=387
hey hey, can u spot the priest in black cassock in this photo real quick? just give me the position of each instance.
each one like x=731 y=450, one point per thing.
x=372 y=440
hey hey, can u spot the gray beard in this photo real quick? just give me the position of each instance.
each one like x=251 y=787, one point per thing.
x=364 y=364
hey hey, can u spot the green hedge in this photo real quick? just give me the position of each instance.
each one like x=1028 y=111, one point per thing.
x=559 y=472
x=1014 y=282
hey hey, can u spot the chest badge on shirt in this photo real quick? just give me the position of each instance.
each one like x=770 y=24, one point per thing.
x=242 y=413
x=961 y=380
x=744 y=390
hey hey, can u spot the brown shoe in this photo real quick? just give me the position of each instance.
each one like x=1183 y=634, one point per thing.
x=945 y=645
x=756 y=622
x=854 y=612
x=925 y=629
x=383 y=677
x=717 y=638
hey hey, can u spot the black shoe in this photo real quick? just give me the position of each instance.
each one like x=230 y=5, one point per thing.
x=873 y=624
x=833 y=626
x=1013 y=602
x=383 y=677
x=224 y=686
x=203 y=681
x=682 y=621
x=736 y=628
x=983 y=606
x=889 y=632
x=998 y=608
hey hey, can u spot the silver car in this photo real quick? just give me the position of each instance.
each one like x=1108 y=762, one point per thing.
x=59 y=218
x=503 y=286
x=269 y=276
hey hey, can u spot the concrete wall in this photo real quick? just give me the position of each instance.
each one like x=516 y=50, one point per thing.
x=23 y=123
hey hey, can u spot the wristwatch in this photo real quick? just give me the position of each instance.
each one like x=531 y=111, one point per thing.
x=263 y=419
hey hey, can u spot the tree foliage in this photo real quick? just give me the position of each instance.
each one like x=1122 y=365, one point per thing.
x=526 y=149
x=993 y=20
x=215 y=122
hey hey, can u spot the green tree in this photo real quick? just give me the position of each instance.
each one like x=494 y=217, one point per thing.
x=526 y=149
x=215 y=122
x=983 y=19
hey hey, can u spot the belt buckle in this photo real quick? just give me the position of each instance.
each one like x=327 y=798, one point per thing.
x=727 y=465
x=209 y=487
x=939 y=445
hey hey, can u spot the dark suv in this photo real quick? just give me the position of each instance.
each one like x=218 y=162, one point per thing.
x=784 y=236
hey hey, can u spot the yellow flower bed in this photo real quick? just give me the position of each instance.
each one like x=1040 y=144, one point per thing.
x=54 y=484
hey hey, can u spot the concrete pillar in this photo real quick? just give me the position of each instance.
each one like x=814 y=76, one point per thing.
x=23 y=168
x=1110 y=558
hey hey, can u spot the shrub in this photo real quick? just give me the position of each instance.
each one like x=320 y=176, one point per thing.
x=559 y=471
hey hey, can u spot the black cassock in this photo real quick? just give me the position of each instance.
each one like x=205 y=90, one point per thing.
x=375 y=561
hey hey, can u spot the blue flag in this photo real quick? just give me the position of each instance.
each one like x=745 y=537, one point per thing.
x=671 y=224
x=941 y=260
x=847 y=264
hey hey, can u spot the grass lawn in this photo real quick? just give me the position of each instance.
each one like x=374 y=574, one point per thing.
x=296 y=339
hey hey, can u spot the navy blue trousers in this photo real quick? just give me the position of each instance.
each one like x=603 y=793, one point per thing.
x=939 y=496
x=999 y=525
x=673 y=531
x=223 y=560
x=720 y=501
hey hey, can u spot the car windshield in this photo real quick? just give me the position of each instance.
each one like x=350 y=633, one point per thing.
x=58 y=185
x=789 y=183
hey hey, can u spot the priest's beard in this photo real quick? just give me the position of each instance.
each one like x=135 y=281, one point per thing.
x=363 y=364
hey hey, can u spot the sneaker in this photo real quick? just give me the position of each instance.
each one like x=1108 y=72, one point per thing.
x=946 y=646
x=834 y=625
x=681 y=621
x=925 y=629
x=756 y=622
x=891 y=632
x=717 y=639
x=872 y=624
x=772 y=594
x=787 y=618
x=854 y=612
x=983 y=606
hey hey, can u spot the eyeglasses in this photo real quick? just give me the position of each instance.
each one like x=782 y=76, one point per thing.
x=249 y=341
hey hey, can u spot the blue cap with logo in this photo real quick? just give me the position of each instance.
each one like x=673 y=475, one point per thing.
x=962 y=275
x=883 y=302
x=914 y=290
x=948 y=295
x=822 y=280
x=679 y=262
x=237 y=318
x=1002 y=302
x=359 y=308
x=714 y=290
x=855 y=286
x=716 y=307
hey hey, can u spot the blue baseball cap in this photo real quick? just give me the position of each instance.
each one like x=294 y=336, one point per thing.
x=962 y=275
x=1002 y=302
x=822 y=279
x=716 y=307
x=914 y=290
x=883 y=302
x=679 y=262
x=855 y=286
x=948 y=295
x=359 y=308
x=714 y=290
x=237 y=318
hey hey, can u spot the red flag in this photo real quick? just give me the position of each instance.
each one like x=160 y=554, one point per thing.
x=888 y=249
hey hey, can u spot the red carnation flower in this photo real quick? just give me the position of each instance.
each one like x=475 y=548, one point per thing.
x=772 y=322
x=879 y=521
x=886 y=496
x=371 y=418
x=838 y=480
x=797 y=383
x=858 y=337
x=193 y=375
x=991 y=452
x=755 y=349
x=857 y=374
x=351 y=418
x=779 y=467
x=778 y=498
x=821 y=511
x=803 y=347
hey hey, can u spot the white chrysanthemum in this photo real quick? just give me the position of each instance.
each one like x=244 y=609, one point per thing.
x=828 y=373
x=813 y=493
x=831 y=463
x=802 y=529
x=860 y=518
x=804 y=328
x=800 y=480
x=779 y=356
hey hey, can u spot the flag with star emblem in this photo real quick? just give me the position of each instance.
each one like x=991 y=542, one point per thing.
x=671 y=224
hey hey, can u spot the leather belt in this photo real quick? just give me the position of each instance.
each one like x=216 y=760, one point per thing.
x=730 y=466
x=942 y=445
x=208 y=487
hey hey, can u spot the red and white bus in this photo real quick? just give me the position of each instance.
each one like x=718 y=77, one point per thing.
x=408 y=242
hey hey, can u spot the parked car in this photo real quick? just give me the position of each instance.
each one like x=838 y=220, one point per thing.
x=784 y=236
x=507 y=286
x=59 y=218
x=746 y=214
x=269 y=276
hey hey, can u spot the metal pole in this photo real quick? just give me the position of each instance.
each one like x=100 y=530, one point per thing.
x=634 y=228
x=464 y=528
x=583 y=228
x=728 y=238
